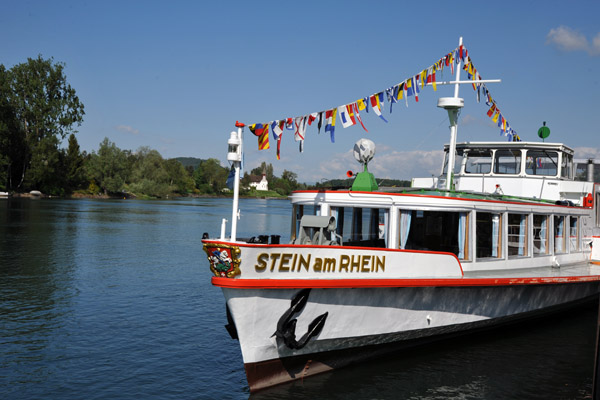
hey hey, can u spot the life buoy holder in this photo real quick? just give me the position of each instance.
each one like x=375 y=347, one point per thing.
x=588 y=201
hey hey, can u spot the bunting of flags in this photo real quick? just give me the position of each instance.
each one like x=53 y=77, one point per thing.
x=349 y=113
x=494 y=111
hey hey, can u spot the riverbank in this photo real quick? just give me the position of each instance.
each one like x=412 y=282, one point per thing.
x=131 y=196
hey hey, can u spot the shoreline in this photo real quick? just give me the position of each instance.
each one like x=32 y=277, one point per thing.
x=77 y=196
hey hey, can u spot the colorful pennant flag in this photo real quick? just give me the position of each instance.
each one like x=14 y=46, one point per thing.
x=358 y=116
x=346 y=115
x=330 y=122
x=289 y=124
x=262 y=131
x=277 y=129
x=376 y=106
x=300 y=123
x=314 y=117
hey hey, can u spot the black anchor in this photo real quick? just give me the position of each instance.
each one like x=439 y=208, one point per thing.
x=286 y=327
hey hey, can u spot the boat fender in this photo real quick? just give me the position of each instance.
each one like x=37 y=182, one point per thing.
x=588 y=201
x=286 y=326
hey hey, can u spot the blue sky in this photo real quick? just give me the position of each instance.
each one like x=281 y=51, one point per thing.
x=175 y=76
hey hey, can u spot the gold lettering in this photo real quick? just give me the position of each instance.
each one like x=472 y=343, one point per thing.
x=355 y=264
x=262 y=262
x=344 y=262
x=380 y=262
x=318 y=265
x=304 y=262
x=365 y=264
x=294 y=262
x=274 y=258
x=283 y=264
x=329 y=264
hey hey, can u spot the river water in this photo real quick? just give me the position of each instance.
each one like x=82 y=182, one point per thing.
x=111 y=299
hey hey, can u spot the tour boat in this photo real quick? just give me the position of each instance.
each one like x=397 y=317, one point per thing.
x=506 y=233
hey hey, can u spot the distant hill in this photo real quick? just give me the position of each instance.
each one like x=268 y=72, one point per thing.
x=189 y=161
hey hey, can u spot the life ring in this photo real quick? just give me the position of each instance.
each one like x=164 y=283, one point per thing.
x=588 y=201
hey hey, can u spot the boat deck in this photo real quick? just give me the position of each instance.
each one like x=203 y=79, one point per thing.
x=574 y=272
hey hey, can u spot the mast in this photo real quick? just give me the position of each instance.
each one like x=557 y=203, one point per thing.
x=235 y=154
x=453 y=106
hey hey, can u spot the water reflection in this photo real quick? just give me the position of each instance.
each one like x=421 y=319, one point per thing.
x=35 y=283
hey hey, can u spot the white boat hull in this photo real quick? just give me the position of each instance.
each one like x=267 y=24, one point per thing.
x=364 y=322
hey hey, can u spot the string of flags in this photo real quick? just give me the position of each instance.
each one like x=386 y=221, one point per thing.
x=349 y=114
x=494 y=111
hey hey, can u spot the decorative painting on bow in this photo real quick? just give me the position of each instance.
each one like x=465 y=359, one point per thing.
x=224 y=259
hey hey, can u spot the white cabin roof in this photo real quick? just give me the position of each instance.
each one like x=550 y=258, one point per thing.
x=513 y=145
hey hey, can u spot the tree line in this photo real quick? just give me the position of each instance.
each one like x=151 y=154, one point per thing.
x=39 y=110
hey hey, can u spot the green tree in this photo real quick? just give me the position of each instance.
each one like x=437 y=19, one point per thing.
x=210 y=176
x=73 y=165
x=180 y=180
x=40 y=109
x=12 y=144
x=265 y=168
x=108 y=167
x=45 y=172
x=149 y=176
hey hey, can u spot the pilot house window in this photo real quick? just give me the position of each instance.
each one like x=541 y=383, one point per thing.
x=478 y=162
x=507 y=162
x=541 y=162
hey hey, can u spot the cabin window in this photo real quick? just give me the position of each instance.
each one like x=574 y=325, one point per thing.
x=542 y=162
x=518 y=239
x=507 y=162
x=435 y=231
x=489 y=235
x=597 y=205
x=366 y=227
x=560 y=235
x=574 y=234
x=540 y=235
x=566 y=166
x=458 y=160
x=478 y=162
x=581 y=171
x=297 y=213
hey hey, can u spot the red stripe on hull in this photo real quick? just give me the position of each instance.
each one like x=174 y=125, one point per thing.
x=368 y=283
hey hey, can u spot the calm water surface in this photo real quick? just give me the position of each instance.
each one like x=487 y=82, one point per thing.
x=112 y=300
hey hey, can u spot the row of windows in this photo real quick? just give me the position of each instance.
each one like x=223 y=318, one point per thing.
x=537 y=162
x=526 y=234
